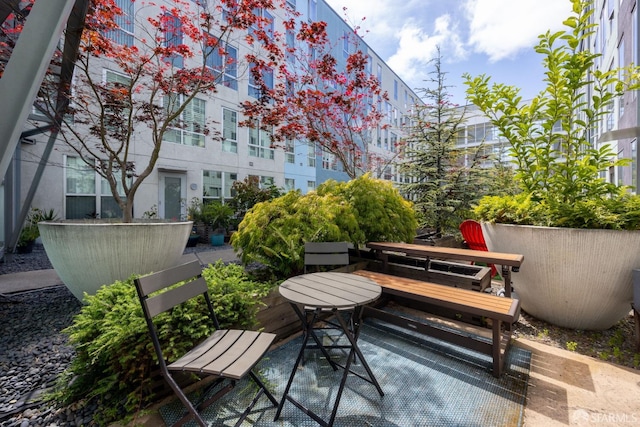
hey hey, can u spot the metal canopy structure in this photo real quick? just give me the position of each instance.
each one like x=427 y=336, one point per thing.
x=19 y=85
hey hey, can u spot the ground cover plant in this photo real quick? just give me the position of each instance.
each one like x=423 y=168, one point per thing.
x=115 y=360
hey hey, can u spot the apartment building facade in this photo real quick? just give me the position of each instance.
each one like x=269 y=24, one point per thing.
x=194 y=165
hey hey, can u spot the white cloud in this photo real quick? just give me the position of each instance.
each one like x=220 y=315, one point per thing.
x=502 y=28
x=416 y=48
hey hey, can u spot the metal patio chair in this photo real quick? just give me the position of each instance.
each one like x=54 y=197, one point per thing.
x=229 y=354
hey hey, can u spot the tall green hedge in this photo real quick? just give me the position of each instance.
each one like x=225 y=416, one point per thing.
x=365 y=209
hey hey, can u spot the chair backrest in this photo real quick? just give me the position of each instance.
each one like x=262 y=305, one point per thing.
x=155 y=302
x=472 y=233
x=325 y=254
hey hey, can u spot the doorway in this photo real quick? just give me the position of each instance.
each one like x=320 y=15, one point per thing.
x=173 y=189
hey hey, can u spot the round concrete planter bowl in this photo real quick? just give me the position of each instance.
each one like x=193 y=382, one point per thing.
x=87 y=254
x=574 y=278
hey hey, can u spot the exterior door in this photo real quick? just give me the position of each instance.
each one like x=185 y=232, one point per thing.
x=173 y=189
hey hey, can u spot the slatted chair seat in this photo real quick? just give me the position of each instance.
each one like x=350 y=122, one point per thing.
x=230 y=355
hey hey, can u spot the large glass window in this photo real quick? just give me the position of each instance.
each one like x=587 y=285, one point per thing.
x=216 y=185
x=173 y=37
x=328 y=161
x=124 y=33
x=289 y=151
x=260 y=142
x=229 y=130
x=313 y=14
x=188 y=128
x=311 y=155
x=222 y=58
x=289 y=184
x=83 y=197
x=115 y=113
x=254 y=88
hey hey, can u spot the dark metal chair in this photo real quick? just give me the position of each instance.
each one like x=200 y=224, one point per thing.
x=322 y=256
x=325 y=254
x=229 y=355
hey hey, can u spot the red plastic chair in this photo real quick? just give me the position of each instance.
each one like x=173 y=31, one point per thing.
x=472 y=234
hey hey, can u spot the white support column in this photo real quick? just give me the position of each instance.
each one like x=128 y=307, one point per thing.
x=26 y=68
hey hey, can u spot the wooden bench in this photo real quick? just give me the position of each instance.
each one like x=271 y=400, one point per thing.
x=507 y=261
x=502 y=312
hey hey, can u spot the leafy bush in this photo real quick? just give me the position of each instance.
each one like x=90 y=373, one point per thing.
x=381 y=212
x=560 y=169
x=114 y=357
x=619 y=212
x=273 y=232
x=365 y=209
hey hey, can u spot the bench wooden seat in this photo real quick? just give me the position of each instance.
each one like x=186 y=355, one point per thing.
x=502 y=312
x=507 y=261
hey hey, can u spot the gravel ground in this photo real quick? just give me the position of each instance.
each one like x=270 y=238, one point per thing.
x=33 y=351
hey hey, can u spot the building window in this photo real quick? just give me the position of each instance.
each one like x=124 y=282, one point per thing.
x=216 y=185
x=289 y=184
x=292 y=4
x=87 y=194
x=266 y=23
x=116 y=110
x=345 y=44
x=289 y=151
x=229 y=131
x=395 y=90
x=264 y=181
x=260 y=142
x=291 y=45
x=311 y=155
x=254 y=87
x=313 y=10
x=394 y=142
x=222 y=58
x=188 y=128
x=328 y=161
x=379 y=73
x=311 y=186
x=124 y=33
x=173 y=38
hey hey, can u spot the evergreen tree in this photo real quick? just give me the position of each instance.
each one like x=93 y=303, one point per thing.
x=444 y=179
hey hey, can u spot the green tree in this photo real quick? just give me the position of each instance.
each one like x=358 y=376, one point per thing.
x=560 y=168
x=445 y=179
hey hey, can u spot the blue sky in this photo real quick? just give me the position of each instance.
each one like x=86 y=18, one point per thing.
x=493 y=37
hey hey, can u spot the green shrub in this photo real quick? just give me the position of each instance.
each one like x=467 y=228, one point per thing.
x=273 y=232
x=114 y=354
x=560 y=170
x=381 y=212
x=365 y=209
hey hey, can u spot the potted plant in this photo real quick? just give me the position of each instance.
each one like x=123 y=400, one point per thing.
x=129 y=96
x=567 y=221
x=30 y=231
x=218 y=217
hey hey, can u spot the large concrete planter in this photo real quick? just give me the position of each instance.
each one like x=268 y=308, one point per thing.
x=89 y=254
x=574 y=278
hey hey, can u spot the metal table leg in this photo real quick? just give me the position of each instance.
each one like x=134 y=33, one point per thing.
x=352 y=336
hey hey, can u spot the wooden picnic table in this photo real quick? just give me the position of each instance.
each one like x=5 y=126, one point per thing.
x=507 y=261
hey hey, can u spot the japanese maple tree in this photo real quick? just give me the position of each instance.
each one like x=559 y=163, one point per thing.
x=160 y=70
x=337 y=107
